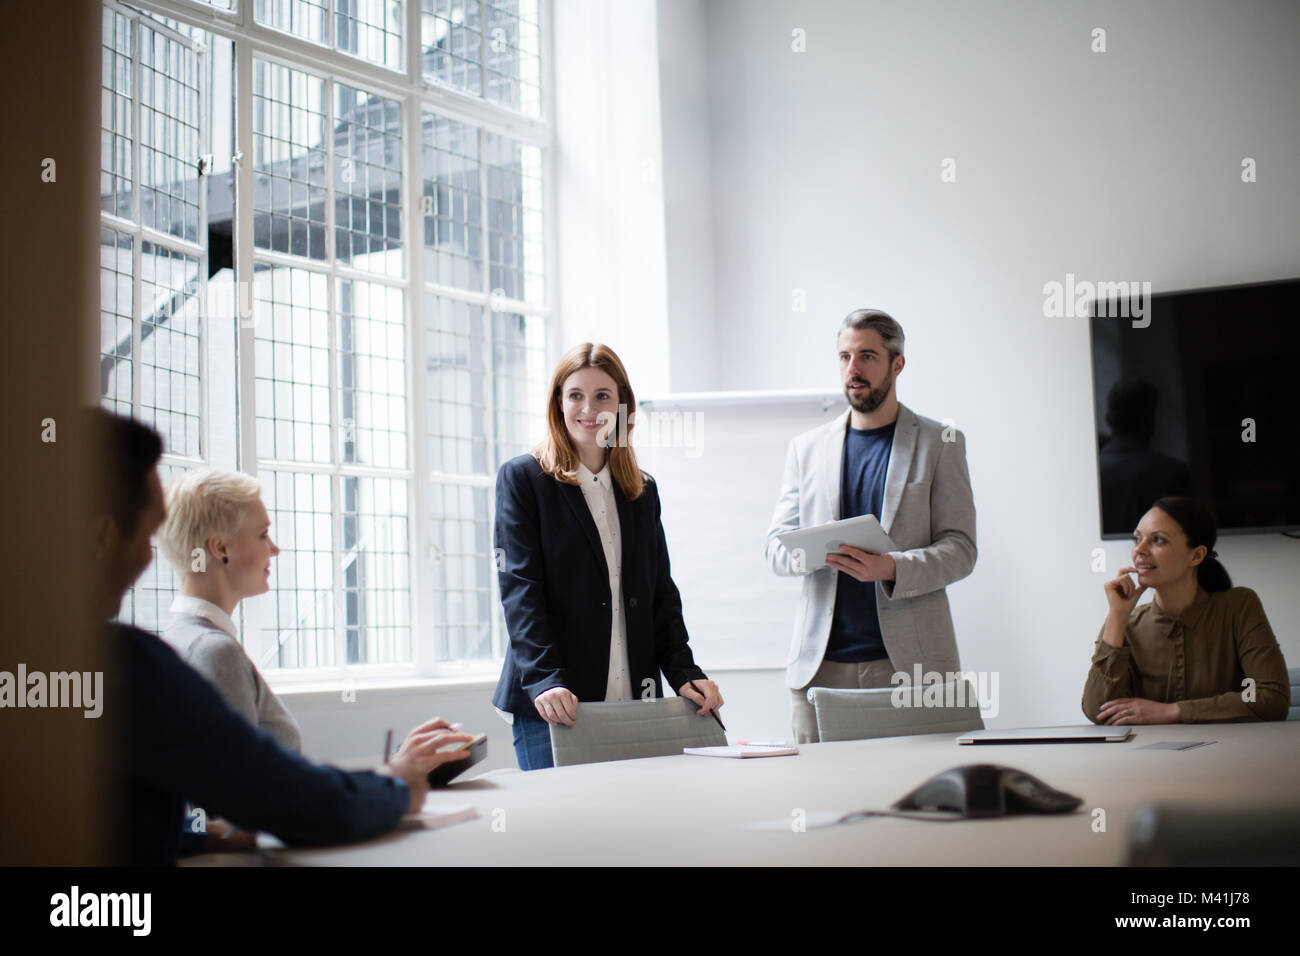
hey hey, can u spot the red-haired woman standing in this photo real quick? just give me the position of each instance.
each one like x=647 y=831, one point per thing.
x=589 y=603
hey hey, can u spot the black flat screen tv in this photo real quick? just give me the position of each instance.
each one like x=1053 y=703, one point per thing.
x=1200 y=396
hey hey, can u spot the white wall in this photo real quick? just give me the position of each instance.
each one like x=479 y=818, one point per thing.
x=705 y=174
x=825 y=176
x=609 y=185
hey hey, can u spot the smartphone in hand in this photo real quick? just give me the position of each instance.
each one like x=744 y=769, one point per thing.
x=444 y=773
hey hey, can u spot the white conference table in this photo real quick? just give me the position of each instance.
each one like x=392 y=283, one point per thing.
x=687 y=810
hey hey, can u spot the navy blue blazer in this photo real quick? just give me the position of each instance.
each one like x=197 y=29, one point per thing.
x=556 y=598
x=179 y=740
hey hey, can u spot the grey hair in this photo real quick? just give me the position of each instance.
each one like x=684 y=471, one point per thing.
x=891 y=333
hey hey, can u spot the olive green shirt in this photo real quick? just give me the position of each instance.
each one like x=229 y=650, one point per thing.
x=1199 y=659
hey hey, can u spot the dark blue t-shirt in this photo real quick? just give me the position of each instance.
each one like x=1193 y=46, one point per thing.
x=855 y=628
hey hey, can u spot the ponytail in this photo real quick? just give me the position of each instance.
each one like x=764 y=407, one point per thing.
x=1212 y=575
x=1202 y=529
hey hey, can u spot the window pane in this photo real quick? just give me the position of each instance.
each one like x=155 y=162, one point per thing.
x=456 y=361
x=463 y=567
x=372 y=374
x=115 y=317
x=292 y=364
x=376 y=573
x=368 y=181
x=301 y=619
x=169 y=135
x=288 y=161
x=514 y=206
x=302 y=18
x=115 y=120
x=371 y=29
x=147 y=602
x=514 y=56
x=519 y=382
x=169 y=347
x=451 y=207
x=452 y=43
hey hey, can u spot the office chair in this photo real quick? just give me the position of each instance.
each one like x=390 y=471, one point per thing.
x=861 y=714
x=1166 y=835
x=633 y=728
x=1294 y=712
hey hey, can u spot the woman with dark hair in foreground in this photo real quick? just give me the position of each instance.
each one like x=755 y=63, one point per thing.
x=1200 y=651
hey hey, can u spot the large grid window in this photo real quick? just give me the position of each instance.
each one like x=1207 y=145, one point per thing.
x=514 y=61
x=116 y=115
x=484 y=352
x=485 y=48
x=372 y=30
x=292 y=362
x=169 y=134
x=453 y=43
x=519 y=363
x=302 y=18
x=152 y=255
x=373 y=381
x=456 y=360
x=300 y=506
x=372 y=374
x=288 y=160
x=376 y=571
x=331 y=370
x=368 y=181
x=463 y=573
x=116 y=318
x=169 y=347
x=514 y=206
x=450 y=203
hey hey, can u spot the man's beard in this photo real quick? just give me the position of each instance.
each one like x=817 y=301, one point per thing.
x=874 y=398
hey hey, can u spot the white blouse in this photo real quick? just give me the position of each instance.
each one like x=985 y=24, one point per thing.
x=598 y=489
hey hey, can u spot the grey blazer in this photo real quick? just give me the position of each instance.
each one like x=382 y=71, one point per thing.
x=928 y=511
x=223 y=662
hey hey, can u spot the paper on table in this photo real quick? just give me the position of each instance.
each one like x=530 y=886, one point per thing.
x=434 y=815
x=738 y=751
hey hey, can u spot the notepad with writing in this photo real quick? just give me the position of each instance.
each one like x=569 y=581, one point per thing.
x=741 y=751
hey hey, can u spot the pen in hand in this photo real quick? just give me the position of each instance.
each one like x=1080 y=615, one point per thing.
x=713 y=713
x=388 y=747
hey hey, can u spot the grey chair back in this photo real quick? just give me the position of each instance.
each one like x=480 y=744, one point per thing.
x=1294 y=712
x=861 y=714
x=633 y=728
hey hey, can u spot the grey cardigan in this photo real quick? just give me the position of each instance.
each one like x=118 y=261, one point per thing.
x=222 y=661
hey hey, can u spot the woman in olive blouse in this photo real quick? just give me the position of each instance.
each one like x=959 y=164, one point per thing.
x=1200 y=651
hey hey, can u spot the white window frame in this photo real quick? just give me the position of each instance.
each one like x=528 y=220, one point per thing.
x=415 y=93
x=140 y=234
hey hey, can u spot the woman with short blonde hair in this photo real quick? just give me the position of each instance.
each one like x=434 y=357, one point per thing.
x=218 y=537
